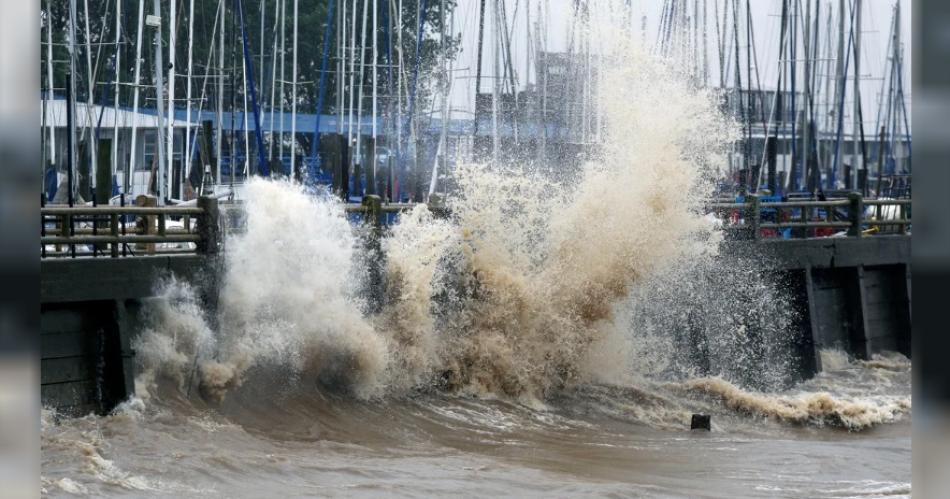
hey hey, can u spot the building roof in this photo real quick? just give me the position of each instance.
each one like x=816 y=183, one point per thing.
x=101 y=116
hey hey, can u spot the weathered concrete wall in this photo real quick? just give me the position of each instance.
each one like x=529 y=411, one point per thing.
x=852 y=294
x=836 y=252
x=88 y=314
x=91 y=279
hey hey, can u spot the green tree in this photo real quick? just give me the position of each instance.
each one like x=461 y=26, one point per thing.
x=311 y=23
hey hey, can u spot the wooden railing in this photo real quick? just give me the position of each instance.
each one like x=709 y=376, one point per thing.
x=114 y=231
x=809 y=218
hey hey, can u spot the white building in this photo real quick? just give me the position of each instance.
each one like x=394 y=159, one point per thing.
x=101 y=120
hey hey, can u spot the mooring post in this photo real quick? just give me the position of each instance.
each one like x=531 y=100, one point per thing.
x=374 y=210
x=855 y=213
x=114 y=232
x=902 y=209
x=437 y=206
x=148 y=222
x=374 y=217
x=701 y=422
x=208 y=230
x=754 y=216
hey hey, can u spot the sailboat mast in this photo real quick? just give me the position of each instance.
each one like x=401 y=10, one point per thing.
x=293 y=97
x=341 y=63
x=855 y=132
x=246 y=124
x=359 y=104
x=704 y=43
x=127 y=183
x=495 y=82
x=352 y=78
x=478 y=64
x=71 y=90
x=273 y=80
x=118 y=85
x=283 y=57
x=159 y=99
x=442 y=154
x=840 y=89
x=49 y=77
x=170 y=145
x=191 y=39
x=375 y=41
x=90 y=96
x=401 y=82
x=263 y=15
x=806 y=165
x=219 y=130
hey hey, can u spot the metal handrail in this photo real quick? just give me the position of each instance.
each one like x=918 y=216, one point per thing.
x=120 y=210
x=807 y=204
x=127 y=239
x=855 y=206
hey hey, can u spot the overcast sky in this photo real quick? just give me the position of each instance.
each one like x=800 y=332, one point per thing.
x=766 y=15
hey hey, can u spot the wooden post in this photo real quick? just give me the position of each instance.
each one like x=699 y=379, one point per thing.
x=148 y=222
x=803 y=218
x=84 y=169
x=812 y=321
x=754 y=216
x=880 y=163
x=204 y=147
x=374 y=210
x=855 y=213
x=374 y=216
x=370 y=167
x=861 y=332
x=208 y=228
x=103 y=188
x=902 y=213
x=114 y=225
x=342 y=187
x=104 y=172
x=437 y=206
x=771 y=154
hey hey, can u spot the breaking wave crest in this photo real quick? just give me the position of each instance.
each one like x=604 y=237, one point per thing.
x=513 y=295
x=534 y=286
x=816 y=408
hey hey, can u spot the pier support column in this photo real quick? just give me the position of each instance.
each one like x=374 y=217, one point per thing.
x=437 y=206
x=811 y=320
x=374 y=219
x=860 y=333
x=754 y=216
x=208 y=228
x=855 y=213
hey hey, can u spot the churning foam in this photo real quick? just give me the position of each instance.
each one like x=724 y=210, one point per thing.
x=516 y=294
x=513 y=295
x=817 y=408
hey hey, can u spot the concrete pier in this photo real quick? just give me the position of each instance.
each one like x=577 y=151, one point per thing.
x=851 y=293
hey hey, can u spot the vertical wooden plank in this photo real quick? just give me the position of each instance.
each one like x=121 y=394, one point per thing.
x=147 y=222
x=104 y=172
x=114 y=230
x=813 y=322
x=124 y=321
x=860 y=333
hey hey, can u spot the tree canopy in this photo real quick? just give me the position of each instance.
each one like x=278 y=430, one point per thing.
x=395 y=45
